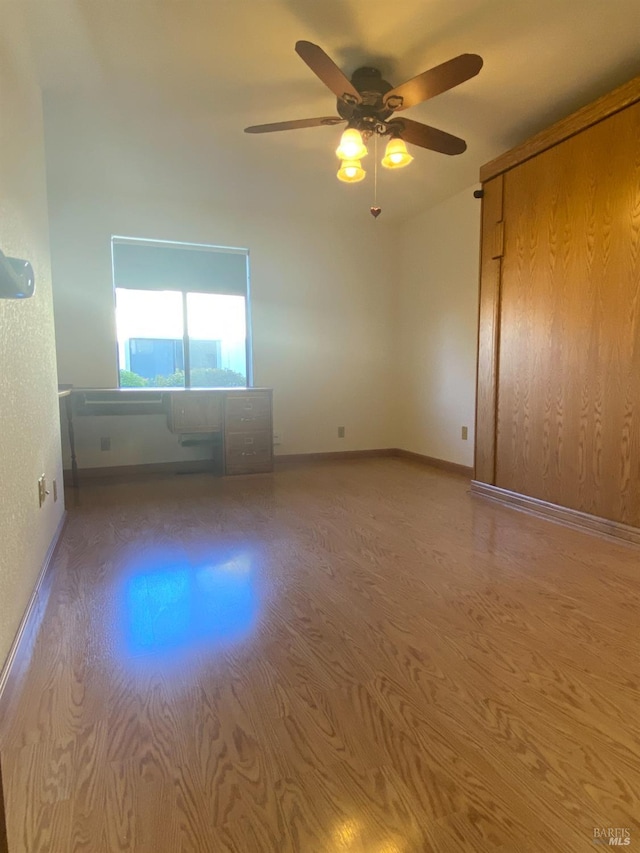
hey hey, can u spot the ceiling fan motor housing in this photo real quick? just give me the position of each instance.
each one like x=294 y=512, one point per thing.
x=372 y=88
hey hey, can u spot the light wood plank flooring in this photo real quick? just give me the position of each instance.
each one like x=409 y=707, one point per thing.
x=340 y=657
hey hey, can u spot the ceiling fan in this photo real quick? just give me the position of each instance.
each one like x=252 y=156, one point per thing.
x=367 y=102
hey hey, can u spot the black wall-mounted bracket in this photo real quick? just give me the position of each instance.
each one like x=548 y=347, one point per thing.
x=17 y=279
x=478 y=193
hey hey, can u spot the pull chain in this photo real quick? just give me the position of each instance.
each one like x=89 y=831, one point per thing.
x=375 y=210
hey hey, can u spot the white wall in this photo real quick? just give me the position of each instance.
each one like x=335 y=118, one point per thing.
x=436 y=323
x=29 y=425
x=321 y=309
x=359 y=323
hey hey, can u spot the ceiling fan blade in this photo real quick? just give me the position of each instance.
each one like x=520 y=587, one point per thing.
x=428 y=137
x=325 y=68
x=434 y=81
x=294 y=125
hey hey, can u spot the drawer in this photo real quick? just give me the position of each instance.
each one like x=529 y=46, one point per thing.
x=195 y=411
x=250 y=412
x=248 y=453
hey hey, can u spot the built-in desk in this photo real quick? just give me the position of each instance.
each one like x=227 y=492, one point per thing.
x=241 y=416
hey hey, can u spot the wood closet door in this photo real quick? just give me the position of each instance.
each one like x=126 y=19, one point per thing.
x=568 y=411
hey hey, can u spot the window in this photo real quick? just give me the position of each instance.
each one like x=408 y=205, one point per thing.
x=182 y=315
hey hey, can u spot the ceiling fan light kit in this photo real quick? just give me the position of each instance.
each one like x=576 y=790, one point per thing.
x=396 y=155
x=351 y=171
x=367 y=102
x=351 y=145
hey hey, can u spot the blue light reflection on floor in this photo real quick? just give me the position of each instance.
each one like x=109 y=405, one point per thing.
x=170 y=606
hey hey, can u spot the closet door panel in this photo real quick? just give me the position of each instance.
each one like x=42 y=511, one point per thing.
x=568 y=390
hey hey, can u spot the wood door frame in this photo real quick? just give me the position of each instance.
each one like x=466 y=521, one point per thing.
x=4 y=842
x=489 y=331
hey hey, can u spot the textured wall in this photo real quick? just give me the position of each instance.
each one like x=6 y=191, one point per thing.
x=29 y=424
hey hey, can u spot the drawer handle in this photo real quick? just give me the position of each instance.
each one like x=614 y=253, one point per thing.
x=243 y=420
x=248 y=453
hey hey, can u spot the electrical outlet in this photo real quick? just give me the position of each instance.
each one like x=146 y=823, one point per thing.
x=277 y=438
x=340 y=432
x=55 y=491
x=42 y=490
x=105 y=443
x=465 y=433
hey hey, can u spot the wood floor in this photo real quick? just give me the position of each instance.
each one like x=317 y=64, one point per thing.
x=349 y=656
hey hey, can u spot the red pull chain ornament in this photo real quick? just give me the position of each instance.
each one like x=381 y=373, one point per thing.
x=375 y=211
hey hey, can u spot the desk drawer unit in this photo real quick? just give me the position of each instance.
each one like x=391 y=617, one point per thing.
x=245 y=412
x=248 y=433
x=196 y=411
x=248 y=453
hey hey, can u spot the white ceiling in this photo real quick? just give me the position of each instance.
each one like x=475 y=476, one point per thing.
x=153 y=95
